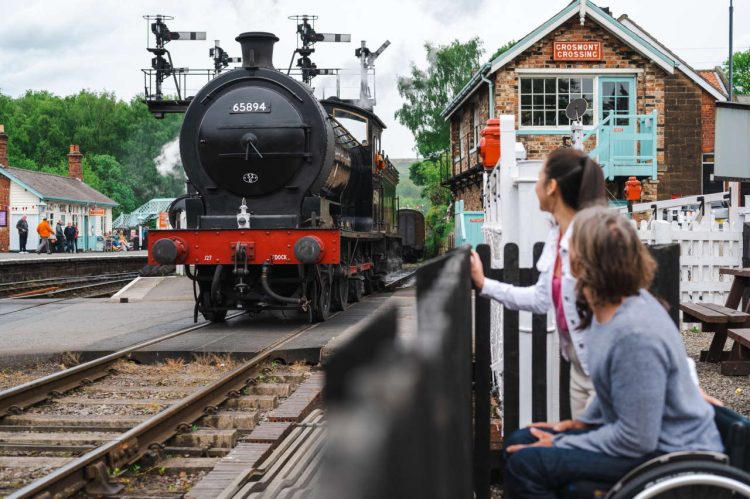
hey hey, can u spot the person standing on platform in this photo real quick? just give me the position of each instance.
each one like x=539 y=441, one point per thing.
x=44 y=229
x=568 y=182
x=70 y=236
x=23 y=233
x=60 y=235
x=75 y=238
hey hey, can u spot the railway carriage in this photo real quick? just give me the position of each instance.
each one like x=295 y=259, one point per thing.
x=285 y=208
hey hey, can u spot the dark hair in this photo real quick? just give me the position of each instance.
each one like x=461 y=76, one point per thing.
x=610 y=260
x=579 y=178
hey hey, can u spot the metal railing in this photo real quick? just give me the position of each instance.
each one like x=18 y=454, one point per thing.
x=401 y=414
x=626 y=145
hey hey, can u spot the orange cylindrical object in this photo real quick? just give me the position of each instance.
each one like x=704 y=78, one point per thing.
x=633 y=189
x=489 y=144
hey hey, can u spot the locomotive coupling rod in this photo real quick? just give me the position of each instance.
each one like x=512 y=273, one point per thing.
x=301 y=301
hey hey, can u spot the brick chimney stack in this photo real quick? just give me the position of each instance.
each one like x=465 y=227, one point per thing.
x=75 y=170
x=3 y=147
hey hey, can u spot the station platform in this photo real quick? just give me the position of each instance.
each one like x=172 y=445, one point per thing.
x=6 y=258
x=16 y=267
x=43 y=330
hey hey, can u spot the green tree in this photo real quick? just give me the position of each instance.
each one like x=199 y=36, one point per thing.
x=741 y=68
x=119 y=140
x=426 y=93
x=500 y=51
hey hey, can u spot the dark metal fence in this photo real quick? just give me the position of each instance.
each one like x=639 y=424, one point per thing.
x=666 y=286
x=402 y=416
x=411 y=420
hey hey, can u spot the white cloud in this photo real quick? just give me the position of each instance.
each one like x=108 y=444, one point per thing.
x=67 y=46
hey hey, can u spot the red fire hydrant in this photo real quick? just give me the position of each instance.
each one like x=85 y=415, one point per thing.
x=633 y=191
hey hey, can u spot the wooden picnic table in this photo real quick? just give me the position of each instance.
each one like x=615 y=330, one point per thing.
x=725 y=322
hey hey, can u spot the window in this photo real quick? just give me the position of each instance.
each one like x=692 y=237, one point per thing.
x=476 y=125
x=462 y=139
x=543 y=100
x=710 y=186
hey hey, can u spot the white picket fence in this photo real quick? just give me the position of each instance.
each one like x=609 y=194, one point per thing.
x=705 y=247
x=709 y=239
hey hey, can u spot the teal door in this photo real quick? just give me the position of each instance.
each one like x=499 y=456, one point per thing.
x=84 y=230
x=617 y=98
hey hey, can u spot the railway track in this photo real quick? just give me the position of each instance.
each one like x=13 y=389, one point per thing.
x=82 y=287
x=57 y=285
x=42 y=422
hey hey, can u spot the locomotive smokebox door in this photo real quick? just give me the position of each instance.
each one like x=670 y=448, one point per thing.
x=252 y=139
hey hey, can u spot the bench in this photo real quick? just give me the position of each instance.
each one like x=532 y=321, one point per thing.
x=738 y=363
x=717 y=319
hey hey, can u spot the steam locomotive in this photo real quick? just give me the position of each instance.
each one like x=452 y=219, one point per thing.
x=285 y=208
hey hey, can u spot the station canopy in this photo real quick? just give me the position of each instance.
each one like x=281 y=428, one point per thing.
x=147 y=212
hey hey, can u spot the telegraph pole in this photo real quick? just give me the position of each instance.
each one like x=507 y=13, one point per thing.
x=731 y=51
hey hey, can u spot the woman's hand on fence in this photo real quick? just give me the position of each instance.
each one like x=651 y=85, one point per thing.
x=544 y=439
x=477 y=271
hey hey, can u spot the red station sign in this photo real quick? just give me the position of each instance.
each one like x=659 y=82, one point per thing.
x=577 y=51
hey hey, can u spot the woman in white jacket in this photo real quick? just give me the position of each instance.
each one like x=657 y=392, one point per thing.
x=569 y=182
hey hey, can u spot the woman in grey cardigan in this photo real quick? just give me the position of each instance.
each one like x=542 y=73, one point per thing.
x=646 y=403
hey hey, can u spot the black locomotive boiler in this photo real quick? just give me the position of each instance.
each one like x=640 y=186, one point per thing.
x=285 y=207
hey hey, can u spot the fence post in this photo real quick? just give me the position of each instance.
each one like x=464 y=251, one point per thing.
x=538 y=354
x=482 y=386
x=511 y=275
x=666 y=283
x=745 y=259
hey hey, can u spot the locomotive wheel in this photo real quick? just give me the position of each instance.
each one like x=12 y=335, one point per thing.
x=322 y=302
x=211 y=315
x=369 y=286
x=356 y=290
x=340 y=298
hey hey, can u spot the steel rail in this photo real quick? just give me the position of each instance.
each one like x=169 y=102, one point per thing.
x=149 y=436
x=396 y=282
x=14 y=400
x=63 y=280
x=73 y=289
x=58 y=300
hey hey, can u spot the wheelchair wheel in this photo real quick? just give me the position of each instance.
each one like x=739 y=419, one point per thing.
x=686 y=479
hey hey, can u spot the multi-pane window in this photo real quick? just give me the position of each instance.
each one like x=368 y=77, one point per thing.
x=543 y=100
x=462 y=139
x=616 y=101
x=476 y=125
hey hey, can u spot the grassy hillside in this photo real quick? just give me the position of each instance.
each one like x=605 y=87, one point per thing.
x=408 y=193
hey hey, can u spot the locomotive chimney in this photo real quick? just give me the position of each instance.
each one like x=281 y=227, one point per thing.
x=257 y=49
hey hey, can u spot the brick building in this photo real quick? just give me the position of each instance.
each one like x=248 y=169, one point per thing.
x=36 y=195
x=650 y=115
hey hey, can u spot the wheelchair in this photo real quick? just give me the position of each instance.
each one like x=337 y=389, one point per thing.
x=693 y=475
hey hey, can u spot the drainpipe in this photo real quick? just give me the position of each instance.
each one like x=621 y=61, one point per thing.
x=491 y=86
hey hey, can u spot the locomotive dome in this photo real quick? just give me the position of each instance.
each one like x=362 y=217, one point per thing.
x=253 y=131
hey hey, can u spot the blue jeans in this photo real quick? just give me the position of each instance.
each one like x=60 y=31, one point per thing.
x=545 y=472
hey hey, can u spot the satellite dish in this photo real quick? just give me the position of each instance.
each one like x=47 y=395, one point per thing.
x=576 y=109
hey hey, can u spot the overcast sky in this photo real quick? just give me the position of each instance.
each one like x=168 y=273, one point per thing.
x=99 y=45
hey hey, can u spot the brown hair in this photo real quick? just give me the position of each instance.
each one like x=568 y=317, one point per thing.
x=610 y=261
x=580 y=178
